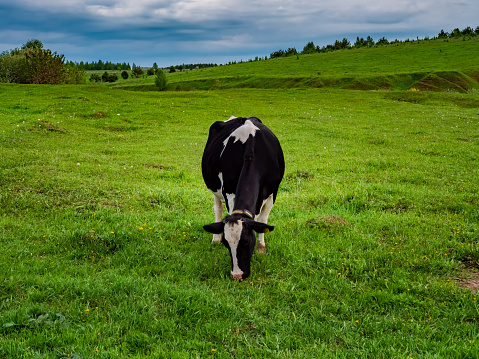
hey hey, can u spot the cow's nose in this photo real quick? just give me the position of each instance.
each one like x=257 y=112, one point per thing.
x=237 y=277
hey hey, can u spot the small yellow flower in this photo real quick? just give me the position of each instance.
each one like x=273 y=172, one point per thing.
x=112 y=232
x=87 y=310
x=213 y=350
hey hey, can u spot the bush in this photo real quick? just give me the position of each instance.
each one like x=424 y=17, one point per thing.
x=95 y=78
x=160 y=80
x=104 y=77
x=150 y=72
x=124 y=74
x=12 y=69
x=74 y=76
x=112 y=77
x=137 y=71
x=44 y=67
x=34 y=65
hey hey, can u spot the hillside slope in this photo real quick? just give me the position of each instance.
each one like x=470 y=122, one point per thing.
x=436 y=65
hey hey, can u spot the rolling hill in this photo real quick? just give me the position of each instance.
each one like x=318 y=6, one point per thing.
x=425 y=65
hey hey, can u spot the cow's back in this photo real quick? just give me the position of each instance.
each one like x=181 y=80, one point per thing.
x=229 y=143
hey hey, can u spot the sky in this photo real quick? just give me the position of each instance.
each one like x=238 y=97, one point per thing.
x=173 y=32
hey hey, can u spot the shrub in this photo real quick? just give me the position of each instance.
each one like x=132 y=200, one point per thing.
x=137 y=71
x=74 y=75
x=124 y=74
x=44 y=67
x=160 y=80
x=150 y=72
x=95 y=78
x=112 y=77
x=12 y=69
x=34 y=65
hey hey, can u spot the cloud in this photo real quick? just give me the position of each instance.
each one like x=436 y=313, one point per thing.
x=210 y=29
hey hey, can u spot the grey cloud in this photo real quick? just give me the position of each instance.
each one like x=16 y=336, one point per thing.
x=140 y=30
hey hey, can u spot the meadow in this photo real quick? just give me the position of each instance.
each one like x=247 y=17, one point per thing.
x=102 y=206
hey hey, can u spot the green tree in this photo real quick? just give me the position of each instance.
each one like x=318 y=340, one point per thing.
x=360 y=42
x=382 y=41
x=33 y=64
x=12 y=68
x=309 y=48
x=124 y=74
x=32 y=44
x=137 y=71
x=370 y=41
x=442 y=34
x=44 y=67
x=160 y=80
x=172 y=69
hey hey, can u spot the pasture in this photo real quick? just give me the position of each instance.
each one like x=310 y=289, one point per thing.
x=104 y=255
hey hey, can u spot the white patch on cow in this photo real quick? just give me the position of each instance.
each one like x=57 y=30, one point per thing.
x=230 y=197
x=231 y=118
x=232 y=235
x=242 y=134
x=220 y=176
x=263 y=218
x=218 y=209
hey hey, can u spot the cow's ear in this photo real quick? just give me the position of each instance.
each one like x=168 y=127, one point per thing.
x=215 y=228
x=259 y=227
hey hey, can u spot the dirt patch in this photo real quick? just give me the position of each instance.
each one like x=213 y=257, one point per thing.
x=48 y=127
x=327 y=222
x=444 y=81
x=300 y=174
x=470 y=281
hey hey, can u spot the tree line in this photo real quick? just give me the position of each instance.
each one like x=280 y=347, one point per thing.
x=310 y=48
x=100 y=65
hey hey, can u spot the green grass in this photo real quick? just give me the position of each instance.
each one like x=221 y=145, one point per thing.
x=104 y=255
x=431 y=65
x=436 y=65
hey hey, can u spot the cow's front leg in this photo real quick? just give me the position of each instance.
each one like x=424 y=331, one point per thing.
x=218 y=208
x=263 y=218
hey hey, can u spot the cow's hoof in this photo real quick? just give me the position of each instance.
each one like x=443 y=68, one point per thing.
x=238 y=277
x=261 y=249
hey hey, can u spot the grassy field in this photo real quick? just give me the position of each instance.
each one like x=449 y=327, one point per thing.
x=430 y=65
x=104 y=255
x=436 y=65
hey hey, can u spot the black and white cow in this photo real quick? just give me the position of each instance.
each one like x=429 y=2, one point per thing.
x=242 y=165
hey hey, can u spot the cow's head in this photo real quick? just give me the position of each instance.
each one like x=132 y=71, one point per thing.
x=238 y=236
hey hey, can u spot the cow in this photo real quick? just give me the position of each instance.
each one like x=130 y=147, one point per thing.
x=243 y=165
